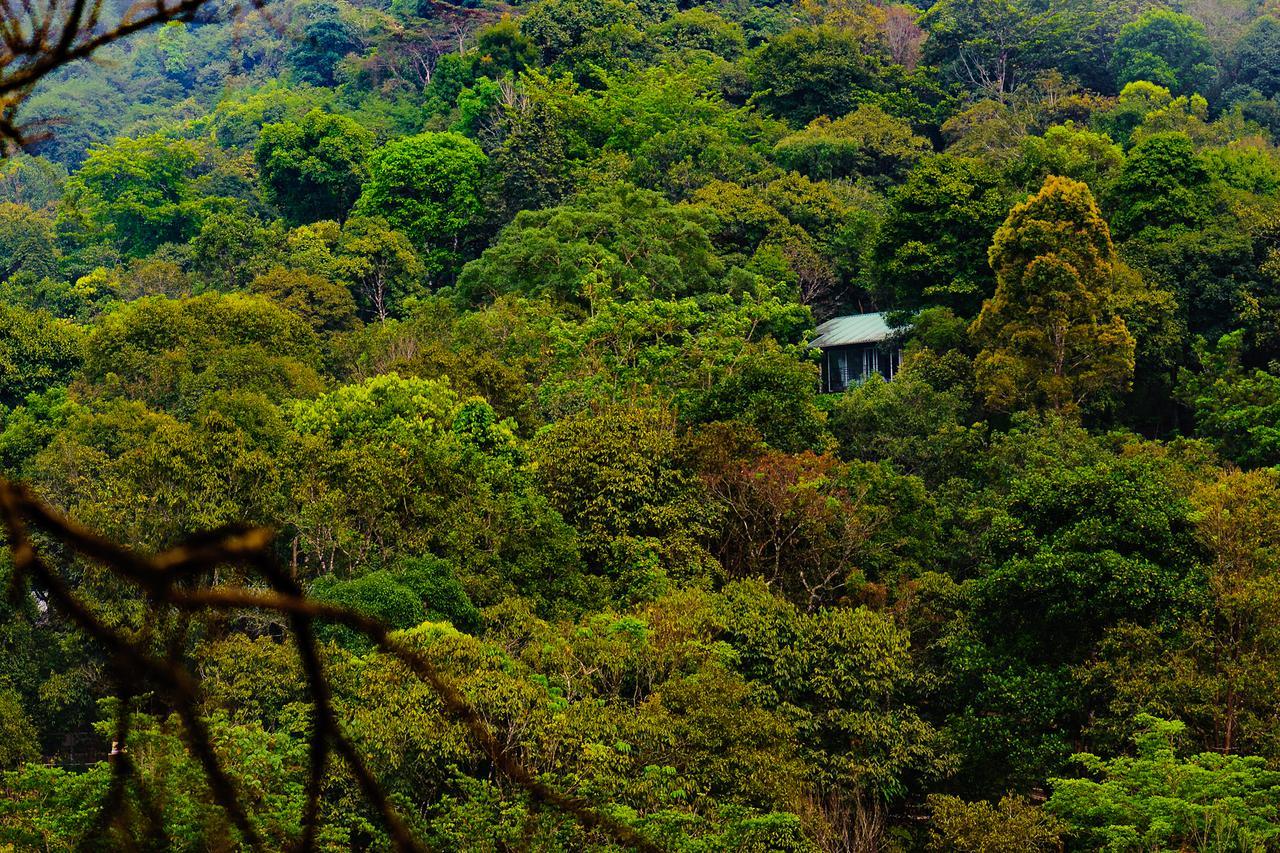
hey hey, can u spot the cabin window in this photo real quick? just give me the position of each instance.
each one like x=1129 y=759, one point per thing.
x=853 y=365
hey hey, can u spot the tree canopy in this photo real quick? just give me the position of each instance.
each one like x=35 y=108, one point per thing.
x=473 y=345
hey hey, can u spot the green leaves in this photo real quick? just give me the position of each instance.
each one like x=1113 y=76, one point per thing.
x=1255 y=56
x=1050 y=334
x=615 y=241
x=1164 y=183
x=313 y=169
x=428 y=186
x=618 y=476
x=995 y=46
x=1166 y=48
x=1236 y=408
x=37 y=352
x=140 y=193
x=385 y=407
x=414 y=591
x=1012 y=826
x=932 y=248
x=809 y=72
x=51 y=807
x=865 y=143
x=172 y=353
x=843 y=675
x=1158 y=801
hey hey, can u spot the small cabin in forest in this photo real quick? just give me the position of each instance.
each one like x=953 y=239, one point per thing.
x=855 y=347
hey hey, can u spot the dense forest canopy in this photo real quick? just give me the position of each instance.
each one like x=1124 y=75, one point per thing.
x=499 y=316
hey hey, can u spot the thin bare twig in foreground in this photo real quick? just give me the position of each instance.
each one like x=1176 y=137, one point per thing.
x=37 y=37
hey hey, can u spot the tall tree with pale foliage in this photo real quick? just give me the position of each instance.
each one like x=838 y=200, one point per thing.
x=1050 y=335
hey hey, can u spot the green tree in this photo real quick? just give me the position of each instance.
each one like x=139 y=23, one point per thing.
x=700 y=29
x=33 y=181
x=1164 y=47
x=618 y=476
x=1069 y=152
x=537 y=132
x=770 y=390
x=1164 y=183
x=173 y=353
x=562 y=28
x=745 y=218
x=27 y=242
x=380 y=265
x=173 y=43
x=404 y=597
x=149 y=478
x=919 y=423
x=1235 y=406
x=18 y=737
x=1256 y=57
x=614 y=241
x=1156 y=800
x=1217 y=670
x=322 y=303
x=377 y=595
x=1213 y=273
x=1247 y=169
x=844 y=675
x=503 y=48
x=324 y=37
x=932 y=247
x=1010 y=826
x=429 y=187
x=1050 y=334
x=866 y=143
x=240 y=117
x=386 y=405
x=1067 y=540
x=310 y=248
x=140 y=193
x=252 y=680
x=996 y=46
x=37 y=352
x=356 y=461
x=31 y=425
x=313 y=169
x=55 y=808
x=808 y=72
x=1144 y=109
x=230 y=250
x=156 y=276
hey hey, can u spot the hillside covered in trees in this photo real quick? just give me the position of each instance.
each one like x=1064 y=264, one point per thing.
x=499 y=317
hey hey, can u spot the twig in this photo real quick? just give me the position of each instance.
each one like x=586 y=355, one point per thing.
x=38 y=38
x=173 y=577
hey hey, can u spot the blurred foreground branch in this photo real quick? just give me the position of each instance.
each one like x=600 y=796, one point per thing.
x=38 y=37
x=175 y=581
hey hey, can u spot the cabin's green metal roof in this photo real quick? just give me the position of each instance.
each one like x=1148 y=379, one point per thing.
x=849 y=331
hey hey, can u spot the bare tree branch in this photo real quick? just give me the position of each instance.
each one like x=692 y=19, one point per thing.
x=37 y=37
x=175 y=579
